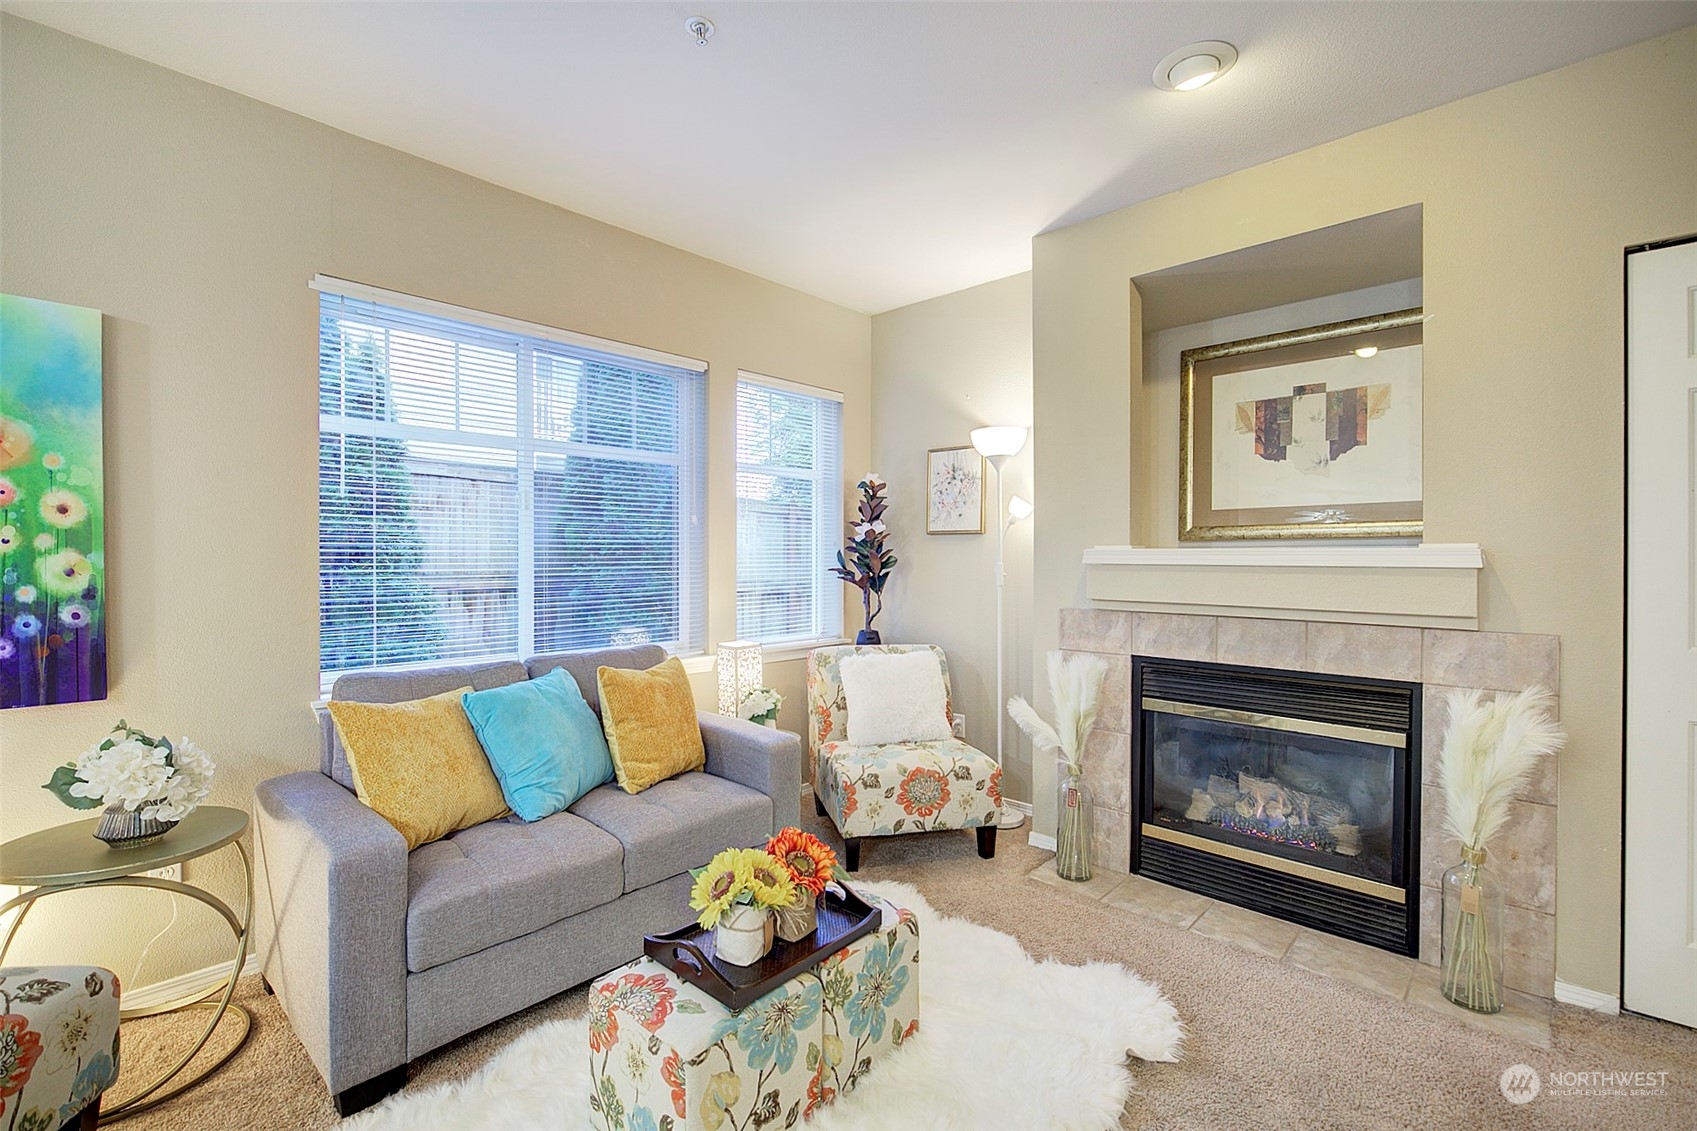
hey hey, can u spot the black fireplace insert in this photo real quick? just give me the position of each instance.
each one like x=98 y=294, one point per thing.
x=1290 y=793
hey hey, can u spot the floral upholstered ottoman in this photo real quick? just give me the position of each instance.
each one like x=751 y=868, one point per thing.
x=58 y=1045
x=665 y=1056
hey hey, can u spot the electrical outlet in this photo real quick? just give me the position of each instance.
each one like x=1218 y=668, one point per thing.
x=959 y=727
x=172 y=872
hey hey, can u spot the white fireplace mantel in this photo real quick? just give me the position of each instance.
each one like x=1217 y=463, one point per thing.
x=1432 y=585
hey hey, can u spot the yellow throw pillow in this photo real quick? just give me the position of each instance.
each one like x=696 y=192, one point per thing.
x=649 y=719
x=419 y=766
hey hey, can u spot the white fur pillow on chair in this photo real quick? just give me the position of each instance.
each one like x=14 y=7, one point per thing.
x=895 y=697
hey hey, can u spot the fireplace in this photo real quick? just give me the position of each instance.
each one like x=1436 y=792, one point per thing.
x=1289 y=793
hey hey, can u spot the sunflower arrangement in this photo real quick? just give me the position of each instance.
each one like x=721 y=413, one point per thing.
x=809 y=861
x=739 y=876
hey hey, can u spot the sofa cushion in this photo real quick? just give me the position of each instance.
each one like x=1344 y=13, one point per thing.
x=503 y=879
x=398 y=687
x=582 y=666
x=418 y=765
x=677 y=824
x=543 y=740
x=650 y=723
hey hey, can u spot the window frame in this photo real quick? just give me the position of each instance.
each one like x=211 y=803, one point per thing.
x=828 y=510
x=524 y=446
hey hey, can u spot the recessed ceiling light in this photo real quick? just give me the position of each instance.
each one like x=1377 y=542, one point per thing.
x=1195 y=65
x=1366 y=351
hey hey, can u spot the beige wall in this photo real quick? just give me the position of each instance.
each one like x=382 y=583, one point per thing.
x=193 y=218
x=940 y=369
x=1530 y=193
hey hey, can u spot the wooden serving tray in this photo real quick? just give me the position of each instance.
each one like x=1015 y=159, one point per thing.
x=688 y=952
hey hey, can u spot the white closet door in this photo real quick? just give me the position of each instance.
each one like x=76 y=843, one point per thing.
x=1660 y=943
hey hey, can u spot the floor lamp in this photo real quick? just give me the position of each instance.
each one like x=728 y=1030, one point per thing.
x=996 y=444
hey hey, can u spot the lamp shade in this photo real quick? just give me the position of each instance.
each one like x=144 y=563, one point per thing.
x=1018 y=509
x=999 y=440
x=740 y=671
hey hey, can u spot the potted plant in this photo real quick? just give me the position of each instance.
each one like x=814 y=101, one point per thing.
x=865 y=560
x=811 y=865
x=736 y=894
x=147 y=784
x=761 y=706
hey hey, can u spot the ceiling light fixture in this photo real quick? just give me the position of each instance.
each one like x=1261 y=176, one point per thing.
x=702 y=28
x=1195 y=65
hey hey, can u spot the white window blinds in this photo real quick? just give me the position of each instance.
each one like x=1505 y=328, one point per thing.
x=789 y=511
x=484 y=491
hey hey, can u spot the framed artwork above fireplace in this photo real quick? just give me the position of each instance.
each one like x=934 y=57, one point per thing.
x=1309 y=433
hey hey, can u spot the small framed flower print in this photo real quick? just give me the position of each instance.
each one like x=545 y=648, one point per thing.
x=954 y=491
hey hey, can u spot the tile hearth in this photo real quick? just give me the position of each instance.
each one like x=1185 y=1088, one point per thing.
x=1525 y=1018
x=1438 y=659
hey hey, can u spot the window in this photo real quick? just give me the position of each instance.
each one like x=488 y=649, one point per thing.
x=491 y=488
x=789 y=510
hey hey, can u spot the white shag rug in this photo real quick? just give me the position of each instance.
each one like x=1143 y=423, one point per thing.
x=1003 y=1041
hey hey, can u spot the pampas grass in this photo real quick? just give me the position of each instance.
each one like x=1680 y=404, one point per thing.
x=1490 y=750
x=1075 y=684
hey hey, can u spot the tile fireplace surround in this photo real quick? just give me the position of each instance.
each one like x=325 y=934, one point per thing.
x=1524 y=855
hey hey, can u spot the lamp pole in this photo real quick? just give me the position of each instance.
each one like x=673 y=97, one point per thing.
x=1011 y=818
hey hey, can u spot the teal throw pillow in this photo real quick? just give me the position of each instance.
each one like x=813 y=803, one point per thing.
x=542 y=739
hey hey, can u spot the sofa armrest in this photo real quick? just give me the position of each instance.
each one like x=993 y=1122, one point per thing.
x=760 y=758
x=332 y=905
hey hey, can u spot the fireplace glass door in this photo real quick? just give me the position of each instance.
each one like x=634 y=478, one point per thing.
x=1278 y=786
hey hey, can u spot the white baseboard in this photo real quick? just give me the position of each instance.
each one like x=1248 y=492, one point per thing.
x=1021 y=806
x=1569 y=994
x=1041 y=840
x=210 y=977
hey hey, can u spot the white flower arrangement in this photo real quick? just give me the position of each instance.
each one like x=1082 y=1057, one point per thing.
x=160 y=780
x=760 y=706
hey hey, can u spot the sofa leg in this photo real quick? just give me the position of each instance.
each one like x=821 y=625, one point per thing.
x=818 y=805
x=987 y=841
x=363 y=1095
x=265 y=983
x=851 y=853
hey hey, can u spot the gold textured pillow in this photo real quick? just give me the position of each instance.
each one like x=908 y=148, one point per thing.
x=419 y=765
x=649 y=719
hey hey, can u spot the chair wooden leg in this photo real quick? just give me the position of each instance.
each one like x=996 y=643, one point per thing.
x=818 y=805
x=88 y=1118
x=987 y=841
x=851 y=853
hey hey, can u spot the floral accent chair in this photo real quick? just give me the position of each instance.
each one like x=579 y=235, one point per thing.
x=58 y=1045
x=665 y=1056
x=906 y=787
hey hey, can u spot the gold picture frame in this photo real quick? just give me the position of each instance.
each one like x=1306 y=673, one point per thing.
x=952 y=477
x=1266 y=436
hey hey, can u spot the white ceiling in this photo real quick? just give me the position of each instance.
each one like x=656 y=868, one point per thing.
x=874 y=154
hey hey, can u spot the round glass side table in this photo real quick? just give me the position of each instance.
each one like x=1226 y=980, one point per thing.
x=68 y=858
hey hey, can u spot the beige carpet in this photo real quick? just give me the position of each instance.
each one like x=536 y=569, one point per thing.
x=1270 y=1045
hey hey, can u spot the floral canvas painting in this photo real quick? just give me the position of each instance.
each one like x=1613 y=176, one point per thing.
x=52 y=509
x=954 y=491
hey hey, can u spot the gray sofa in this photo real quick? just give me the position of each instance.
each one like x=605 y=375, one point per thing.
x=379 y=956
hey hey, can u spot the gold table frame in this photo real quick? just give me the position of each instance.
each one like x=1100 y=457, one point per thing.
x=204 y=831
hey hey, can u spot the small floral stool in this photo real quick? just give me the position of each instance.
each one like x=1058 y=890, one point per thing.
x=664 y=1056
x=58 y=1045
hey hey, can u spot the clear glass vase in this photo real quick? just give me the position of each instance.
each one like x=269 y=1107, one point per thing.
x=1472 y=928
x=1073 y=839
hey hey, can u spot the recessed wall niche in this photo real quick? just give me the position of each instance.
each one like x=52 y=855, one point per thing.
x=1367 y=266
